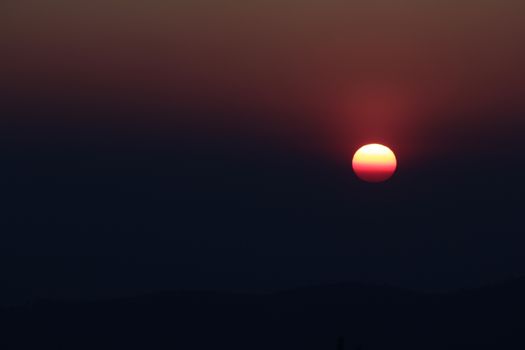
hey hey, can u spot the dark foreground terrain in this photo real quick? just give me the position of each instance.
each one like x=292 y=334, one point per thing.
x=309 y=318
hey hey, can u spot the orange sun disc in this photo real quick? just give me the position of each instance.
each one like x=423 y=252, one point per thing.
x=374 y=163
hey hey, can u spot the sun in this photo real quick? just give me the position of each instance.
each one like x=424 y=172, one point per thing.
x=374 y=163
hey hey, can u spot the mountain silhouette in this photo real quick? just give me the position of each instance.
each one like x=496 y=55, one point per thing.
x=324 y=317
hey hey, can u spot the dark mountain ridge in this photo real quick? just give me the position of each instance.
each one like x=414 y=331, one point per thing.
x=373 y=317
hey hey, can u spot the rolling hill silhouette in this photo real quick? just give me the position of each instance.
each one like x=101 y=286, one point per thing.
x=368 y=317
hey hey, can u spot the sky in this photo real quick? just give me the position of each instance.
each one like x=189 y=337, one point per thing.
x=208 y=144
x=386 y=69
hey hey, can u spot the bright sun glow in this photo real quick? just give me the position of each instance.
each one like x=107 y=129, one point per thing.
x=374 y=163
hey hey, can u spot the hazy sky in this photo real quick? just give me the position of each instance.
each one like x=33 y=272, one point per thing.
x=214 y=138
x=325 y=71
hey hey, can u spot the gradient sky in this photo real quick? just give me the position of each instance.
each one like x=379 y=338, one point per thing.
x=365 y=69
x=213 y=139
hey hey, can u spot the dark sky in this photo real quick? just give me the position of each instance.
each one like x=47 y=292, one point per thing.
x=208 y=144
